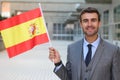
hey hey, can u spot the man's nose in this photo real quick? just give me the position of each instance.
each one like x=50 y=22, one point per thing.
x=89 y=23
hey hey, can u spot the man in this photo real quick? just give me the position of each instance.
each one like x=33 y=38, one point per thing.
x=91 y=58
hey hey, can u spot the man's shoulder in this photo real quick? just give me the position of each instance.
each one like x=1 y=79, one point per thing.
x=78 y=42
x=109 y=44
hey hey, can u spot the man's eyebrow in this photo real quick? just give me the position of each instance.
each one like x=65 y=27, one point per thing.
x=87 y=18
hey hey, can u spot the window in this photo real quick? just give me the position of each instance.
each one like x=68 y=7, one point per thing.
x=61 y=33
x=106 y=17
x=117 y=14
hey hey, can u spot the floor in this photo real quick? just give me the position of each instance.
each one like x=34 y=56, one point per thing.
x=33 y=64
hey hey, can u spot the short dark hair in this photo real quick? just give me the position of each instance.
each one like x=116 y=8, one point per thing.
x=90 y=10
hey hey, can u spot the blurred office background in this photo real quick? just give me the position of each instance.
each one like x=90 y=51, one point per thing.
x=62 y=17
x=62 y=20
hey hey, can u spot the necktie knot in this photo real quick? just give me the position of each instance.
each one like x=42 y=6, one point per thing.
x=89 y=46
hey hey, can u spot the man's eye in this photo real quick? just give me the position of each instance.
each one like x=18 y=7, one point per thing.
x=85 y=20
x=94 y=20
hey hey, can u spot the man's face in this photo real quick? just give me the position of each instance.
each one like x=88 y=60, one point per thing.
x=90 y=24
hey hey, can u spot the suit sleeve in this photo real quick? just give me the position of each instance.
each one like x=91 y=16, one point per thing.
x=64 y=73
x=116 y=65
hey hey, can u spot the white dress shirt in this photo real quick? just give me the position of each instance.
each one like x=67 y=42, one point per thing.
x=94 y=47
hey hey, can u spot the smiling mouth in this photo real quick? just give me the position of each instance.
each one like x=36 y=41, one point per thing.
x=90 y=28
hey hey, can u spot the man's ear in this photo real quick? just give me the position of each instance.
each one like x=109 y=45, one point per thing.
x=99 y=23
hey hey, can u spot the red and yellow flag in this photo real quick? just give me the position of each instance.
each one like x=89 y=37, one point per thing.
x=22 y=32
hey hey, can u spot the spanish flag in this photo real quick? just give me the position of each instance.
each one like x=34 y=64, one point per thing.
x=22 y=32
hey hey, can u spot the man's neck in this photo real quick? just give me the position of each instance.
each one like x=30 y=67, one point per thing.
x=91 y=39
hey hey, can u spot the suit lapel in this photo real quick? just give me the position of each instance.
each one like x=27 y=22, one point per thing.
x=97 y=57
x=80 y=56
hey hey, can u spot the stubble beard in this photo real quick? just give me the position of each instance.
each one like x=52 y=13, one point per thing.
x=90 y=34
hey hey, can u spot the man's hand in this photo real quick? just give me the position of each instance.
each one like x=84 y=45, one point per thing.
x=54 y=55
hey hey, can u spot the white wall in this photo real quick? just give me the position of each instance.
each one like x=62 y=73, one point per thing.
x=116 y=2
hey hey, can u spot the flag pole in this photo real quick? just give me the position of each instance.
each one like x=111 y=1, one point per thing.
x=45 y=25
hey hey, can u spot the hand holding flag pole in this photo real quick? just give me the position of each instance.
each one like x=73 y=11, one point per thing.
x=55 y=54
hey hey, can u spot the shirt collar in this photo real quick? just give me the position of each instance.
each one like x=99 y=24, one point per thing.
x=94 y=44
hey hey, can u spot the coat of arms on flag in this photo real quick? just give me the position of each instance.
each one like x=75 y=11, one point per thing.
x=33 y=29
